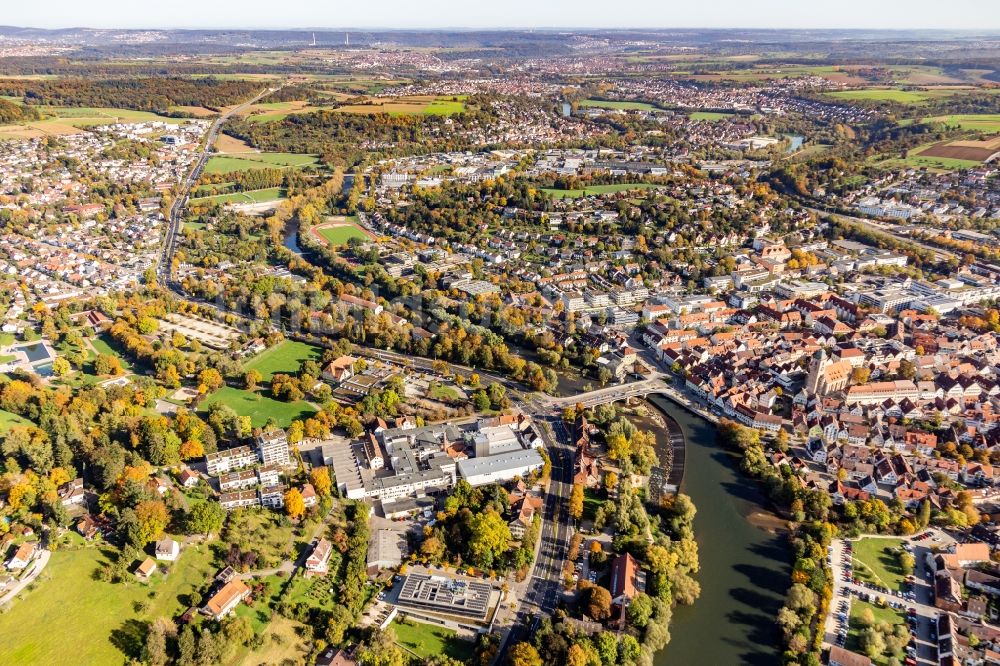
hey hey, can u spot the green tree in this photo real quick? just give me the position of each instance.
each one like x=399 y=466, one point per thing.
x=205 y=518
x=489 y=539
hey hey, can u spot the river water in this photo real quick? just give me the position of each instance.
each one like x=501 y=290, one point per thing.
x=744 y=569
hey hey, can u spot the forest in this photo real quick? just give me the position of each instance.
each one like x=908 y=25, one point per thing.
x=143 y=94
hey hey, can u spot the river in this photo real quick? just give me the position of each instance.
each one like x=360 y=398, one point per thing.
x=744 y=569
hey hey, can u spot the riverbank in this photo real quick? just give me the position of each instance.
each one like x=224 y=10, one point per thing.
x=745 y=570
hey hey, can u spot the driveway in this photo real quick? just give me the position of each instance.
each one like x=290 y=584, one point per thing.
x=926 y=613
x=38 y=564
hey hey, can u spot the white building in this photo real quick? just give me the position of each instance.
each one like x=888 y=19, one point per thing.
x=501 y=467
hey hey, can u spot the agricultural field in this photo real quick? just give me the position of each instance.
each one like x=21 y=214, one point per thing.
x=886 y=95
x=423 y=640
x=274 y=111
x=285 y=357
x=427 y=105
x=612 y=104
x=339 y=230
x=594 y=190
x=975 y=122
x=231 y=145
x=251 y=161
x=259 y=408
x=250 y=197
x=72 y=120
x=106 y=625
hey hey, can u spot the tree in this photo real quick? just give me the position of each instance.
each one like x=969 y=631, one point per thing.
x=211 y=379
x=252 y=378
x=61 y=367
x=610 y=481
x=872 y=642
x=490 y=538
x=640 y=610
x=319 y=477
x=481 y=401
x=145 y=523
x=576 y=501
x=295 y=506
x=107 y=364
x=205 y=518
x=524 y=654
x=239 y=631
x=576 y=656
x=154 y=652
x=598 y=603
x=607 y=647
x=191 y=449
x=860 y=375
x=924 y=514
x=906 y=563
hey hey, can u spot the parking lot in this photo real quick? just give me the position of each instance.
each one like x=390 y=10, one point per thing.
x=915 y=599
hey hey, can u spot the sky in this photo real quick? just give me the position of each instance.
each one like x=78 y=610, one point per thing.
x=980 y=15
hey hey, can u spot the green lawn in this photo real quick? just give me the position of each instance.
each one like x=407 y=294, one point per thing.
x=442 y=392
x=874 y=562
x=284 y=357
x=9 y=419
x=598 y=189
x=709 y=115
x=258 y=407
x=82 y=116
x=426 y=639
x=854 y=627
x=251 y=161
x=609 y=104
x=591 y=502
x=250 y=197
x=102 y=344
x=69 y=617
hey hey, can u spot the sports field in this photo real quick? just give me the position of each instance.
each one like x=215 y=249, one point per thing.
x=251 y=161
x=285 y=357
x=253 y=196
x=598 y=189
x=615 y=104
x=338 y=230
x=258 y=407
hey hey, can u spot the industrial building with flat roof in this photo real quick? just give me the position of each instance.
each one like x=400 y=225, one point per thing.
x=461 y=597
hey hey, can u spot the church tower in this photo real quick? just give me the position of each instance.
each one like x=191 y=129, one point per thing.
x=817 y=370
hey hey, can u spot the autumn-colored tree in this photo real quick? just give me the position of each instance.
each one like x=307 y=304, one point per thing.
x=192 y=448
x=524 y=654
x=252 y=378
x=320 y=479
x=211 y=379
x=576 y=501
x=599 y=603
x=295 y=506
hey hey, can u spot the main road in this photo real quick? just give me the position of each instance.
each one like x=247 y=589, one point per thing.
x=164 y=268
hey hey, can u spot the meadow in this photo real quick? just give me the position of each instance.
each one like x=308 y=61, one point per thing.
x=249 y=197
x=285 y=357
x=615 y=104
x=251 y=161
x=975 y=122
x=258 y=407
x=425 y=640
x=107 y=622
x=594 y=190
